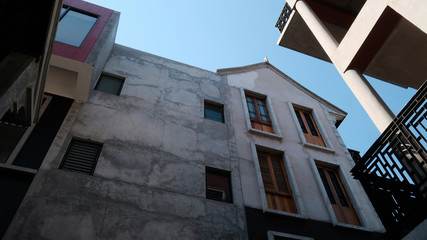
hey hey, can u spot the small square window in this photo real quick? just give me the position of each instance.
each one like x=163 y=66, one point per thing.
x=214 y=111
x=110 y=84
x=81 y=156
x=218 y=186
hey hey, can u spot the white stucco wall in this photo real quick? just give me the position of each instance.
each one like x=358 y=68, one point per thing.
x=282 y=94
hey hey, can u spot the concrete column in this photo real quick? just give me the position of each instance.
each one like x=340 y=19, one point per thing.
x=322 y=34
x=373 y=104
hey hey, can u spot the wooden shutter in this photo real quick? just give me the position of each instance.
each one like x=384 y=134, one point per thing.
x=309 y=128
x=81 y=156
x=218 y=185
x=337 y=196
x=276 y=185
x=267 y=177
x=279 y=175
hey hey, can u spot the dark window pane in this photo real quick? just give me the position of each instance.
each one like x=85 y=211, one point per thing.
x=109 y=84
x=249 y=100
x=74 y=27
x=9 y=138
x=301 y=123
x=263 y=111
x=338 y=189
x=310 y=124
x=326 y=185
x=251 y=107
x=214 y=112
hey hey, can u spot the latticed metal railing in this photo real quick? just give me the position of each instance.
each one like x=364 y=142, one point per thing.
x=394 y=170
x=284 y=16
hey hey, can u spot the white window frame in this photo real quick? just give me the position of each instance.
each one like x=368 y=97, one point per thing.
x=355 y=203
x=291 y=178
x=317 y=121
x=272 y=234
x=277 y=133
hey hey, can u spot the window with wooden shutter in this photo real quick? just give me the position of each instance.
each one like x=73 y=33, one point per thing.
x=309 y=128
x=338 y=196
x=218 y=185
x=276 y=185
x=81 y=156
x=258 y=113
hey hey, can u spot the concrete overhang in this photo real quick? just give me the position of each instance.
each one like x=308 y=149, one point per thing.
x=396 y=55
x=402 y=58
x=69 y=78
x=29 y=29
x=336 y=15
x=297 y=36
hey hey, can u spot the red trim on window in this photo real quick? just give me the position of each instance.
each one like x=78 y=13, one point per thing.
x=81 y=53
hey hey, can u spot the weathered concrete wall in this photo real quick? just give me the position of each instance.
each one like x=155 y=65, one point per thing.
x=281 y=92
x=71 y=206
x=149 y=182
x=103 y=46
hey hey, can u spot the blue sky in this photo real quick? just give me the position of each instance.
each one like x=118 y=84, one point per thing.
x=230 y=33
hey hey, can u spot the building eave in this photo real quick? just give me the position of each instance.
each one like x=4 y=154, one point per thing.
x=338 y=113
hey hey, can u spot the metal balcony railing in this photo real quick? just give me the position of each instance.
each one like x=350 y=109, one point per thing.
x=284 y=17
x=393 y=171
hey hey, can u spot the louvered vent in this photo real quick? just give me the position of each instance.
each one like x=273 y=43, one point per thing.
x=81 y=156
x=215 y=194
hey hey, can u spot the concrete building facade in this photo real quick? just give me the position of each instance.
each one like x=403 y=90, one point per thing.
x=135 y=146
x=149 y=180
x=42 y=78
